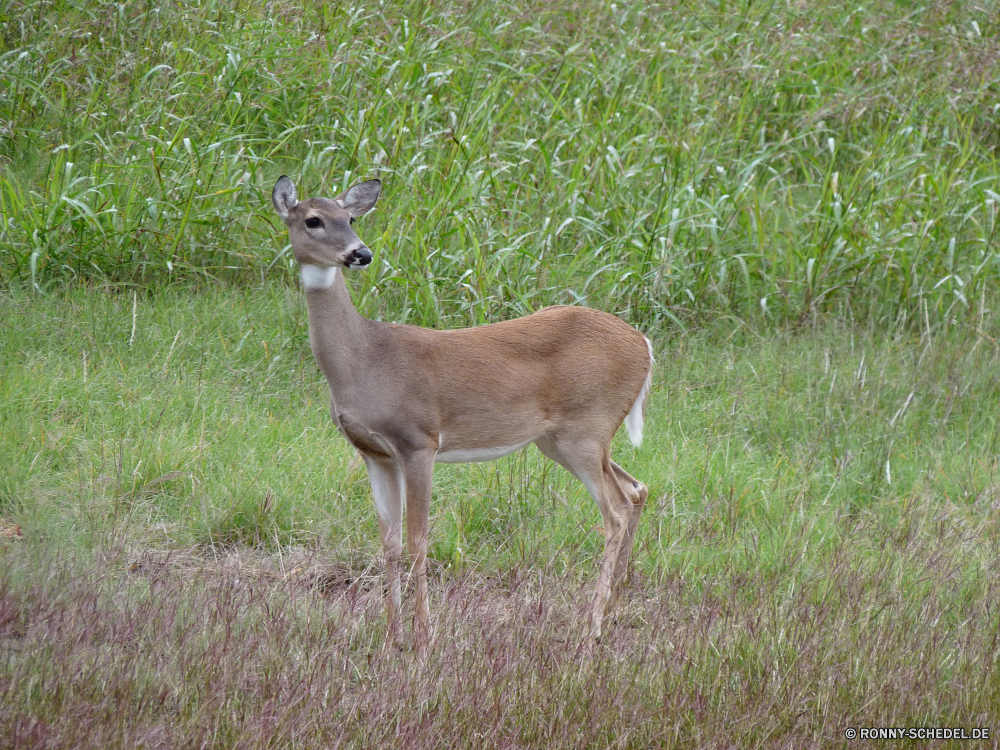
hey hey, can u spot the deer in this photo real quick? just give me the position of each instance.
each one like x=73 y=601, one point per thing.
x=405 y=397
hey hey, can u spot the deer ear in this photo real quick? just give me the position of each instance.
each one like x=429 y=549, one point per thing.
x=361 y=198
x=283 y=197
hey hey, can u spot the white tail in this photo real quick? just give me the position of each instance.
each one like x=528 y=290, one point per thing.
x=634 y=418
x=564 y=378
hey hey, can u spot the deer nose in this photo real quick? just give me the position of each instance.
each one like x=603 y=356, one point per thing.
x=362 y=256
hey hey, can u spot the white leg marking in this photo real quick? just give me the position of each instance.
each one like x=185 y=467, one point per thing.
x=318 y=277
x=386 y=486
x=591 y=488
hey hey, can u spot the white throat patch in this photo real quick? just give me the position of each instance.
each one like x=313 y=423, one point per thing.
x=318 y=277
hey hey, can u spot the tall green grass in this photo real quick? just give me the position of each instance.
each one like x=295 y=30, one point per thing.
x=766 y=159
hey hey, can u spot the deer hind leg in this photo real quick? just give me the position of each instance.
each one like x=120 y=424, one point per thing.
x=591 y=464
x=636 y=494
x=386 y=484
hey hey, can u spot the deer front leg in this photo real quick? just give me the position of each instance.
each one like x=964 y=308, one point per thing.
x=418 y=473
x=386 y=481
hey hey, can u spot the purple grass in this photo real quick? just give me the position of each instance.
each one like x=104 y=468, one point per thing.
x=173 y=652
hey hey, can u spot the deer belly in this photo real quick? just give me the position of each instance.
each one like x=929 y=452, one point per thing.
x=475 y=455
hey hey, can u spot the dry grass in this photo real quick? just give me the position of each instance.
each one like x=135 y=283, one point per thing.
x=145 y=649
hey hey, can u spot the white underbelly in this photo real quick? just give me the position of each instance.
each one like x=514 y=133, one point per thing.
x=475 y=455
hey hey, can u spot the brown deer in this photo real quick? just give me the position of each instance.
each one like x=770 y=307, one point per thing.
x=563 y=378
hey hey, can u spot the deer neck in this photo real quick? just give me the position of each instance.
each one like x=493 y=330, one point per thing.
x=336 y=329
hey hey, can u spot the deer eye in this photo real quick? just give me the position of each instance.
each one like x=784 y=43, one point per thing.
x=313 y=223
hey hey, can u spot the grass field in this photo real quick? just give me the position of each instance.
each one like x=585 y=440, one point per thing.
x=819 y=550
x=797 y=204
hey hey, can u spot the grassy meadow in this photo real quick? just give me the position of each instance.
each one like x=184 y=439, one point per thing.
x=797 y=204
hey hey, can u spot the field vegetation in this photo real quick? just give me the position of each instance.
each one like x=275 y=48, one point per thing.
x=767 y=159
x=797 y=203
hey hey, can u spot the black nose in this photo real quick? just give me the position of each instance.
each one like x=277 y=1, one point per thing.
x=361 y=257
